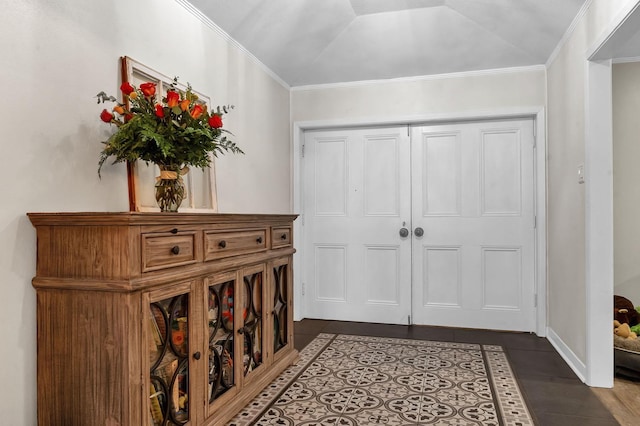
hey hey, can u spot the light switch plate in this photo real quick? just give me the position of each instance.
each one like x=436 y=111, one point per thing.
x=581 y=173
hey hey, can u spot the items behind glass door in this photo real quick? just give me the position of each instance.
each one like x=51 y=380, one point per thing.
x=169 y=349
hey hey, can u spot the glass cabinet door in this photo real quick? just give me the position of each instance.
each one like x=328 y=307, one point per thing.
x=252 y=316
x=169 y=360
x=221 y=342
x=280 y=293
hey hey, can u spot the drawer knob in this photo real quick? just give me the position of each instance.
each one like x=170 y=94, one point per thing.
x=259 y=240
x=175 y=249
x=222 y=244
x=196 y=356
x=174 y=231
x=283 y=237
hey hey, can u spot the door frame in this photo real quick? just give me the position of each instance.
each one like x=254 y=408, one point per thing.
x=597 y=371
x=540 y=167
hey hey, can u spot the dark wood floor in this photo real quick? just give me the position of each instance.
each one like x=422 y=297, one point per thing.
x=554 y=394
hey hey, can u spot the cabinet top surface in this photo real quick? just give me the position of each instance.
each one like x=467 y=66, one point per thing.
x=150 y=218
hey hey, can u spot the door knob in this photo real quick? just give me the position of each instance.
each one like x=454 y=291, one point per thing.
x=418 y=232
x=404 y=232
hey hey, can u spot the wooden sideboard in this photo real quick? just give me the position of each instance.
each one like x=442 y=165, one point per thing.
x=160 y=318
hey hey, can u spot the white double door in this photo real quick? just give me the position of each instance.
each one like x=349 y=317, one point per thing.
x=424 y=225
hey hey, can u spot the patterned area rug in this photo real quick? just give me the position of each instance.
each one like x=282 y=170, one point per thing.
x=356 y=380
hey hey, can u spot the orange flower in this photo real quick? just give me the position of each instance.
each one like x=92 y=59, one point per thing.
x=133 y=95
x=172 y=98
x=184 y=105
x=118 y=109
x=196 y=111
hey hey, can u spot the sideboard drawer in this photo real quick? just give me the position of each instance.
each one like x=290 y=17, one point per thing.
x=224 y=244
x=280 y=237
x=161 y=251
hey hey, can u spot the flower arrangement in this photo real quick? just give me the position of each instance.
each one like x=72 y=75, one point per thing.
x=175 y=133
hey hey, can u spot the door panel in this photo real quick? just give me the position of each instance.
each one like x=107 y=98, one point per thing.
x=331 y=177
x=356 y=198
x=380 y=176
x=501 y=278
x=331 y=273
x=441 y=174
x=381 y=269
x=474 y=265
x=442 y=277
x=501 y=173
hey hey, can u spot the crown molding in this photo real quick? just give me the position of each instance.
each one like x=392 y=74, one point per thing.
x=209 y=23
x=479 y=73
x=567 y=34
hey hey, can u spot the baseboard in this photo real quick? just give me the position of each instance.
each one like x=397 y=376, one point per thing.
x=567 y=354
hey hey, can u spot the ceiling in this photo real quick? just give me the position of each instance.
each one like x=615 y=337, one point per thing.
x=308 y=42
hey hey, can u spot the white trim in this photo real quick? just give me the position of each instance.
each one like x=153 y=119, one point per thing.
x=402 y=120
x=599 y=195
x=208 y=22
x=598 y=50
x=541 y=221
x=626 y=60
x=599 y=223
x=567 y=354
x=567 y=34
x=537 y=113
x=466 y=74
x=543 y=270
x=298 y=260
x=298 y=225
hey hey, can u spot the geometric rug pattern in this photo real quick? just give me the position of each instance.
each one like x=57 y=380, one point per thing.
x=345 y=380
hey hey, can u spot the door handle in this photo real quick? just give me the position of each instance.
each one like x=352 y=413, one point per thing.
x=404 y=232
x=418 y=232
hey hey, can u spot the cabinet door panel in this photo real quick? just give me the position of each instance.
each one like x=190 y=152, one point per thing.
x=281 y=297
x=221 y=378
x=253 y=346
x=169 y=387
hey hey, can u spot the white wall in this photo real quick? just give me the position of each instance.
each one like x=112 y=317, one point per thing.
x=566 y=80
x=626 y=180
x=56 y=55
x=465 y=93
